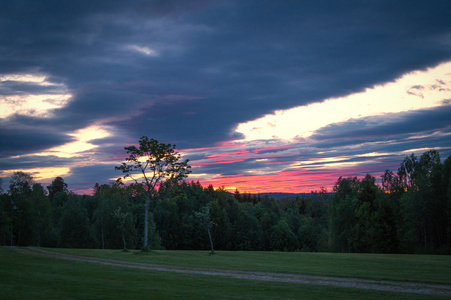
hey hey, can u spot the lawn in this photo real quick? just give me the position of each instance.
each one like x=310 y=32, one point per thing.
x=400 y=267
x=25 y=276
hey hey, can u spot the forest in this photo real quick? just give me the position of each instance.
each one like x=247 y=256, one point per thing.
x=408 y=212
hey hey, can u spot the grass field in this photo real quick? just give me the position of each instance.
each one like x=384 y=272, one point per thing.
x=416 y=268
x=24 y=276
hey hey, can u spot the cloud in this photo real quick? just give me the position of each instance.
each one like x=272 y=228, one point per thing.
x=144 y=50
x=31 y=95
x=191 y=72
x=40 y=175
x=15 y=141
x=424 y=121
x=81 y=146
x=389 y=98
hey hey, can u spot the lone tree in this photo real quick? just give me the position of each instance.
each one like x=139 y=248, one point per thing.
x=153 y=165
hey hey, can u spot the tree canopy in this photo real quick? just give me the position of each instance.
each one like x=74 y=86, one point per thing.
x=408 y=212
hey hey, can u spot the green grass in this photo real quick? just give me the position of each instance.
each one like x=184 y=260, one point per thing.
x=31 y=277
x=415 y=268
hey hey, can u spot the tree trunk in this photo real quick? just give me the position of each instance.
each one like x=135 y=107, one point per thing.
x=39 y=230
x=146 y=225
x=123 y=239
x=103 y=238
x=211 y=241
x=11 y=233
x=39 y=238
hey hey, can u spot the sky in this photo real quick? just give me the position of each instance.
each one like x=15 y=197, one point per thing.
x=260 y=96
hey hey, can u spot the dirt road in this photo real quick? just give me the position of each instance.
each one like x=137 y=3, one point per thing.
x=379 y=285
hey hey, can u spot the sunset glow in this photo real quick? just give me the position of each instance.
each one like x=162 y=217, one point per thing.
x=263 y=97
x=41 y=174
x=81 y=144
x=52 y=96
x=413 y=91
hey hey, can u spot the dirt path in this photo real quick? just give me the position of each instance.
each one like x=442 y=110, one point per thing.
x=379 y=285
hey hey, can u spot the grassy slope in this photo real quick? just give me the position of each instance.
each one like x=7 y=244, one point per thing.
x=24 y=277
x=416 y=268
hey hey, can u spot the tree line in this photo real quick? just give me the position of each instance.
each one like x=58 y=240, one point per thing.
x=410 y=212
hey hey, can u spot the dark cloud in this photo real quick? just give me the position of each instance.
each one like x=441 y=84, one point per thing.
x=8 y=88
x=18 y=142
x=92 y=174
x=33 y=162
x=254 y=58
x=388 y=126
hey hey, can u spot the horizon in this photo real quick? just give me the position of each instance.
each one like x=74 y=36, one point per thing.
x=272 y=194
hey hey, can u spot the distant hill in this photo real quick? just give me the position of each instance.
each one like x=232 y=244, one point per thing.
x=278 y=196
